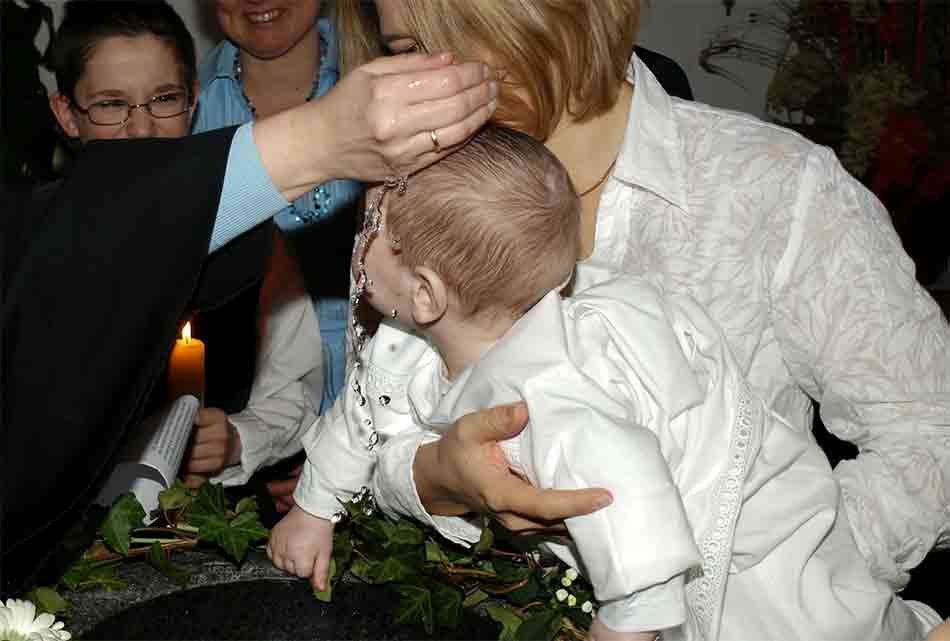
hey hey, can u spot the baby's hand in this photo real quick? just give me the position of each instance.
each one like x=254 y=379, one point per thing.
x=302 y=544
x=600 y=632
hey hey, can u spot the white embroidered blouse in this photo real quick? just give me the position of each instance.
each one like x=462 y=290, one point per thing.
x=638 y=393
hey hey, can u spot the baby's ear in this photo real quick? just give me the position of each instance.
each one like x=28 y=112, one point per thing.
x=430 y=296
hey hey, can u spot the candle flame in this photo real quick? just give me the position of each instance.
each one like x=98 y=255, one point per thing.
x=186 y=332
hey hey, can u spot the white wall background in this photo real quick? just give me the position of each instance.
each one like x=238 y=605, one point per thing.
x=679 y=29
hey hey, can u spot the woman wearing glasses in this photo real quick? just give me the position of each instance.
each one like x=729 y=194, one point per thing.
x=99 y=267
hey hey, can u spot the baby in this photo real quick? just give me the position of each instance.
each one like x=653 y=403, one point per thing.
x=725 y=521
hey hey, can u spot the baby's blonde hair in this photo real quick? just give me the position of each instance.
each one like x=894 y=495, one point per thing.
x=498 y=220
x=568 y=56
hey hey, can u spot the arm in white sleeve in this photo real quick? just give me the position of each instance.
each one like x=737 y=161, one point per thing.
x=342 y=448
x=657 y=607
x=287 y=387
x=337 y=464
x=859 y=334
x=633 y=550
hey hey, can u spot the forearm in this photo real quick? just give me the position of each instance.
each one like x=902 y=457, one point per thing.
x=295 y=149
x=335 y=469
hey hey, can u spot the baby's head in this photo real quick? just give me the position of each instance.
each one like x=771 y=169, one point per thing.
x=497 y=221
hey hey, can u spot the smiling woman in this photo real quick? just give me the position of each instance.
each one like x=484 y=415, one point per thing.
x=278 y=55
x=267 y=30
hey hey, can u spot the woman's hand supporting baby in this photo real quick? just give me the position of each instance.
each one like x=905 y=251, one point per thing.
x=466 y=471
x=302 y=544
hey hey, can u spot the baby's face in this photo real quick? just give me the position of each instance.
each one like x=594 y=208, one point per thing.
x=388 y=279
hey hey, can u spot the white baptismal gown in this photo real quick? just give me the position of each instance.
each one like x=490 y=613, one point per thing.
x=726 y=521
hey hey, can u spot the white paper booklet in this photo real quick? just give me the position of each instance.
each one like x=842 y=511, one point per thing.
x=149 y=464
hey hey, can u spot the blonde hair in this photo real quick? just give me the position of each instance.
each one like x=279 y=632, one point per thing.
x=498 y=220
x=567 y=56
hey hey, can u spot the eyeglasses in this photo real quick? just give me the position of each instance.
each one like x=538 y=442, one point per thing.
x=117 y=112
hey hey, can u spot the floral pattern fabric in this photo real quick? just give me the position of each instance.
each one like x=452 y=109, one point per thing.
x=801 y=266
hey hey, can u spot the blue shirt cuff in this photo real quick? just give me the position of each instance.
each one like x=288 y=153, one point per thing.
x=248 y=196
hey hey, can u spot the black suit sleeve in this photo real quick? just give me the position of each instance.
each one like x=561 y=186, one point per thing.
x=107 y=265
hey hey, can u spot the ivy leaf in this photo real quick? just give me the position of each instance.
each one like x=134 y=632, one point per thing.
x=210 y=526
x=373 y=531
x=525 y=594
x=209 y=501
x=486 y=566
x=177 y=497
x=458 y=557
x=125 y=514
x=250 y=525
x=327 y=595
x=474 y=599
x=541 y=626
x=402 y=532
x=509 y=621
x=511 y=572
x=415 y=606
x=48 y=600
x=85 y=573
x=235 y=536
x=342 y=549
x=448 y=606
x=392 y=569
x=362 y=570
x=158 y=559
x=434 y=553
x=247 y=504
x=485 y=541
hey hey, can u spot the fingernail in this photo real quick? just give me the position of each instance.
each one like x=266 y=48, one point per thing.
x=493 y=88
x=604 y=501
x=486 y=71
x=492 y=105
x=447 y=57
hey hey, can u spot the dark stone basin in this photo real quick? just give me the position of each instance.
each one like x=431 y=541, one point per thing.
x=272 y=608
